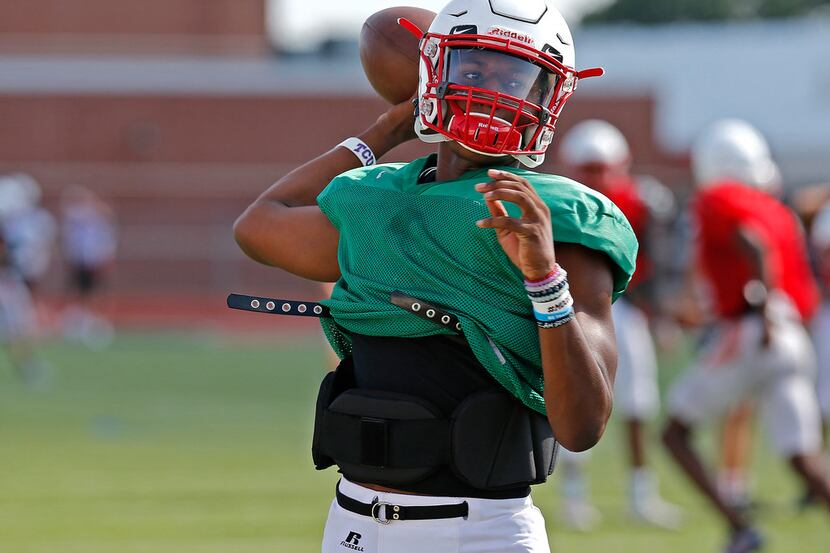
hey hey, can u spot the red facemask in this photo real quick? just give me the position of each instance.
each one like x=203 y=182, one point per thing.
x=489 y=111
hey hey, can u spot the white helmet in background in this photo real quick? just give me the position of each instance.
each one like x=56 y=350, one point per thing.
x=28 y=188
x=495 y=75
x=734 y=149
x=820 y=231
x=595 y=142
x=13 y=197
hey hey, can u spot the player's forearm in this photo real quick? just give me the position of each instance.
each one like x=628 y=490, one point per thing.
x=266 y=230
x=301 y=186
x=755 y=249
x=578 y=389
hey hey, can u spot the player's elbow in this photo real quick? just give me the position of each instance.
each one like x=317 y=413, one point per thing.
x=247 y=231
x=582 y=437
x=583 y=426
x=242 y=229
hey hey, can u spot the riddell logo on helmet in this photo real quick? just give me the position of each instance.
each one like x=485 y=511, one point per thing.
x=512 y=35
x=491 y=128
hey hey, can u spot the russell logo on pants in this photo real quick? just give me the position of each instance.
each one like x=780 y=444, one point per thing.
x=352 y=542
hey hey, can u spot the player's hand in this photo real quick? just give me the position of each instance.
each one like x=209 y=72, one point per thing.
x=527 y=241
x=397 y=124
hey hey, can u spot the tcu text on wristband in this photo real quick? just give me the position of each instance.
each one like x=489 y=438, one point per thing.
x=360 y=149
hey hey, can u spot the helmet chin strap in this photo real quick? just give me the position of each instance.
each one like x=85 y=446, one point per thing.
x=478 y=130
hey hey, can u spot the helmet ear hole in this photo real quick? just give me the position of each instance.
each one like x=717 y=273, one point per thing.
x=428 y=108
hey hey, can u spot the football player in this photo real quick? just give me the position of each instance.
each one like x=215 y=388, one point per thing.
x=752 y=255
x=441 y=415
x=597 y=154
x=17 y=323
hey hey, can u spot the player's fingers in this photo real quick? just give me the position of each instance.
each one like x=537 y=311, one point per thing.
x=504 y=223
x=530 y=211
x=495 y=184
x=498 y=174
x=492 y=186
x=496 y=208
x=506 y=179
x=528 y=190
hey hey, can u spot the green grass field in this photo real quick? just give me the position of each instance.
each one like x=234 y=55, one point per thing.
x=193 y=444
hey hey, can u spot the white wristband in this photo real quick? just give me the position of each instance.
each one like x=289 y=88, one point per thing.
x=562 y=302
x=360 y=149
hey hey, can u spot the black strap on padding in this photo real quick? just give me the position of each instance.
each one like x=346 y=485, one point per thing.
x=426 y=310
x=393 y=512
x=400 y=444
x=275 y=306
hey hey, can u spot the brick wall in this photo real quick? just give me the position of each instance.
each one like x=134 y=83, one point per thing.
x=133 y=17
x=178 y=170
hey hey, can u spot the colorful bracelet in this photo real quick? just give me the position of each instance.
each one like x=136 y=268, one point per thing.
x=552 y=291
x=551 y=299
x=549 y=278
x=555 y=316
x=553 y=306
x=557 y=323
x=557 y=276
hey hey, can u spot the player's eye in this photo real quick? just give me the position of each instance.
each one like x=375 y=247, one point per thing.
x=514 y=84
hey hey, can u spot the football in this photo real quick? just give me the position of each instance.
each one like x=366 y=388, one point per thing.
x=389 y=52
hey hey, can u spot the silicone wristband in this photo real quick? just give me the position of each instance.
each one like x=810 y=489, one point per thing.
x=360 y=149
x=553 y=317
x=548 y=278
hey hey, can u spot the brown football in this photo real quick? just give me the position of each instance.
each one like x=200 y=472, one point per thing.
x=389 y=52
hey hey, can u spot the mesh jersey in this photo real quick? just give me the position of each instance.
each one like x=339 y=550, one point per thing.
x=421 y=239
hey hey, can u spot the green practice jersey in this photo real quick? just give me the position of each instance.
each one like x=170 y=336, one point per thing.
x=422 y=239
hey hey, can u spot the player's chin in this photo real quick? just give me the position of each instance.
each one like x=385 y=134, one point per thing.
x=478 y=159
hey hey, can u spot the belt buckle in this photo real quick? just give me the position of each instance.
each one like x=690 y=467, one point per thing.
x=376 y=513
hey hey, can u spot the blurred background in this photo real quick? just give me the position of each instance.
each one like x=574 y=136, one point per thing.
x=147 y=417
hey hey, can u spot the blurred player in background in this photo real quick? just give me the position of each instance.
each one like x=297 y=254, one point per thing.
x=748 y=148
x=18 y=330
x=751 y=254
x=30 y=229
x=597 y=154
x=89 y=238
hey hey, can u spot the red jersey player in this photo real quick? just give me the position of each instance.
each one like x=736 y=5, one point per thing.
x=751 y=253
x=596 y=154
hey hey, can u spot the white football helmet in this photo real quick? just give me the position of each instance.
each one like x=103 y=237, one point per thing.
x=595 y=142
x=734 y=149
x=495 y=75
x=820 y=230
x=13 y=197
x=28 y=187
